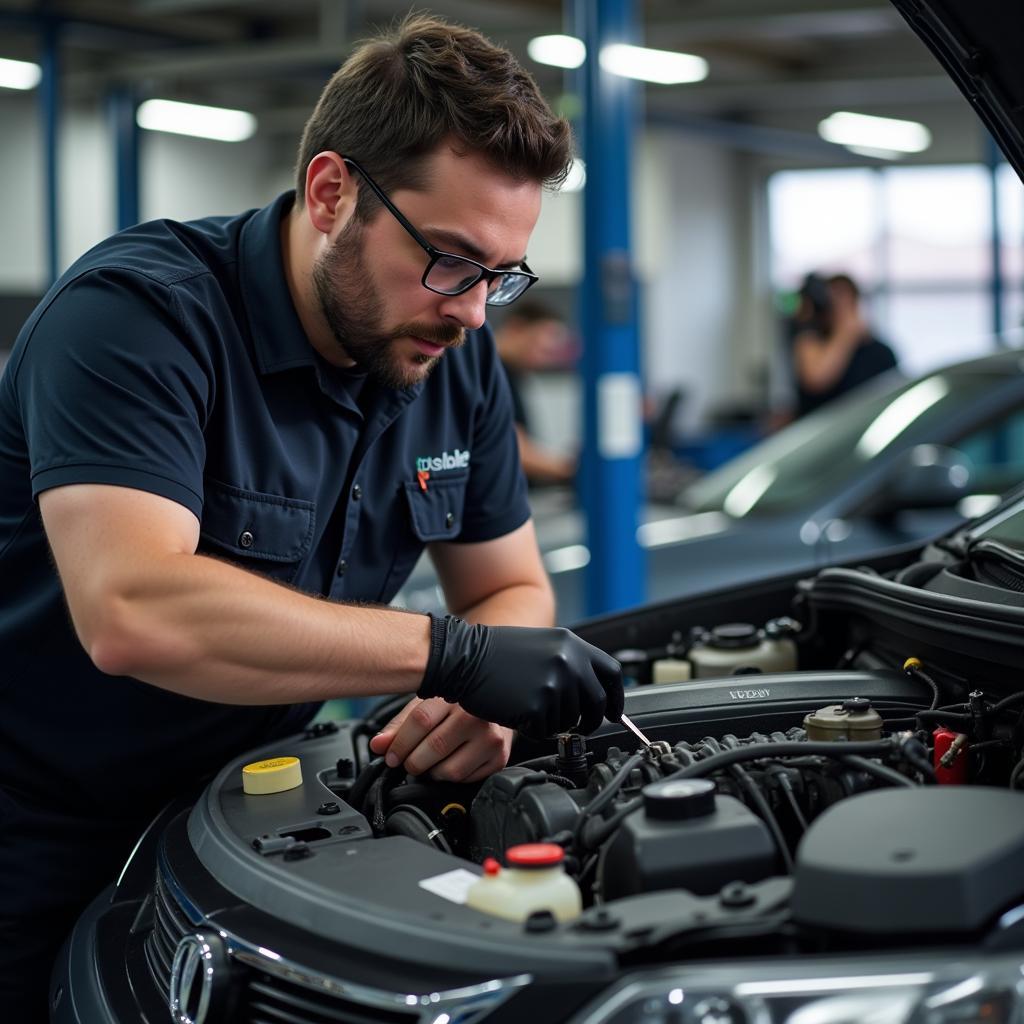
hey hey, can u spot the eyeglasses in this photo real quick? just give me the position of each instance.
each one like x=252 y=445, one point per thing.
x=448 y=274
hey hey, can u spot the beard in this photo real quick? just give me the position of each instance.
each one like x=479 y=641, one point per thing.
x=354 y=311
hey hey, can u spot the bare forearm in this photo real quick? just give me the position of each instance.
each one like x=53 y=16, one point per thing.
x=208 y=629
x=524 y=605
x=821 y=364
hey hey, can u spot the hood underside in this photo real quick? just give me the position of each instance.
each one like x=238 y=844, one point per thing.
x=980 y=43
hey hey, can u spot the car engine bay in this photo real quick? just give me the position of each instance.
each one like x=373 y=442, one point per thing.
x=855 y=749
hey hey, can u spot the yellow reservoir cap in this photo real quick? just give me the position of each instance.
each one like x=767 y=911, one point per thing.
x=274 y=775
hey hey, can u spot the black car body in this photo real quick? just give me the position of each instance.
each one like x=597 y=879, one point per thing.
x=896 y=461
x=827 y=830
x=869 y=876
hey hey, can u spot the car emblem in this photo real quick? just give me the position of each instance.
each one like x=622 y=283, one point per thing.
x=199 y=977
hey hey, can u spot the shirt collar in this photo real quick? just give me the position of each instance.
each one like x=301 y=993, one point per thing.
x=279 y=341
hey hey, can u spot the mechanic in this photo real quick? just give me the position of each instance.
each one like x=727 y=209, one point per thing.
x=220 y=439
x=533 y=337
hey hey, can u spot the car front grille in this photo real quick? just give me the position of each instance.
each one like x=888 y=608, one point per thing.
x=170 y=925
x=263 y=998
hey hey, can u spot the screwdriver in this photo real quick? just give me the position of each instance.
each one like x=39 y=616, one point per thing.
x=628 y=723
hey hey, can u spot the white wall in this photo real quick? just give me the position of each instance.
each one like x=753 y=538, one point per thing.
x=22 y=241
x=689 y=243
x=686 y=218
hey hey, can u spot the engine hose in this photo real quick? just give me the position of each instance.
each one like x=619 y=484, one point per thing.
x=955 y=721
x=1008 y=702
x=791 y=748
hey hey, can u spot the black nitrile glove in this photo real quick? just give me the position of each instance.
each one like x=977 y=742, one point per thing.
x=539 y=681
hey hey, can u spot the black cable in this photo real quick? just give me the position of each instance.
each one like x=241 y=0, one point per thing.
x=606 y=795
x=785 y=783
x=742 y=776
x=879 y=771
x=912 y=667
x=597 y=832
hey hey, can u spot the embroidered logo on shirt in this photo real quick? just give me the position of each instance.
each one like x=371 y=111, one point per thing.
x=427 y=464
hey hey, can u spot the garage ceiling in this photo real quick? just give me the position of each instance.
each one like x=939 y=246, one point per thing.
x=777 y=63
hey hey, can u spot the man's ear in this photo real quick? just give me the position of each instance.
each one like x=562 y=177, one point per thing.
x=331 y=193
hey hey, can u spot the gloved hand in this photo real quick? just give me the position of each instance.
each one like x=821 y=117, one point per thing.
x=539 y=681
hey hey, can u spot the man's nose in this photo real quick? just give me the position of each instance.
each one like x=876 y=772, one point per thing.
x=469 y=309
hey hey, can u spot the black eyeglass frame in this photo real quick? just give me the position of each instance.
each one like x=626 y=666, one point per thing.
x=486 y=273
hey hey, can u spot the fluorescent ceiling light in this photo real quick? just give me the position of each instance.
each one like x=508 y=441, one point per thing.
x=558 y=51
x=875 y=133
x=192 y=119
x=19 y=74
x=662 y=66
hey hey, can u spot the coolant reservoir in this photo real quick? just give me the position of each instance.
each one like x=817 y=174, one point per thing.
x=738 y=645
x=671 y=670
x=535 y=879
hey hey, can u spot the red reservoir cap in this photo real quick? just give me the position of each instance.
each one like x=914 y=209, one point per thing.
x=534 y=855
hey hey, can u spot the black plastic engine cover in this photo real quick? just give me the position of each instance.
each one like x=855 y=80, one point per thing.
x=943 y=859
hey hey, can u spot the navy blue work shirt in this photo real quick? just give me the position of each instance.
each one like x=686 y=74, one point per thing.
x=170 y=359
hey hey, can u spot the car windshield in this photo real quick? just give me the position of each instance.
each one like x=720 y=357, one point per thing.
x=1005 y=525
x=812 y=458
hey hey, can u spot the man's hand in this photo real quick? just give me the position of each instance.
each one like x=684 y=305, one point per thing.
x=434 y=736
x=539 y=681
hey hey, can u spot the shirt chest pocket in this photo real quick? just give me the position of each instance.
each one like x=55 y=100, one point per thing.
x=265 y=533
x=435 y=514
x=435 y=511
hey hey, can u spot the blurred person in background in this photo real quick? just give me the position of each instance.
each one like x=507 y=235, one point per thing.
x=534 y=337
x=833 y=347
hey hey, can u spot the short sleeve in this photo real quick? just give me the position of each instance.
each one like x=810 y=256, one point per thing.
x=496 y=498
x=112 y=389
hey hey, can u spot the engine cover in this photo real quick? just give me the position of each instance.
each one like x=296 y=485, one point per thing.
x=938 y=859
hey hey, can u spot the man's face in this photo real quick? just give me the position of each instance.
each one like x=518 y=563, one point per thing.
x=368 y=283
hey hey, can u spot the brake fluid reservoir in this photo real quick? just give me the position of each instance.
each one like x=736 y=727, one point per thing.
x=534 y=879
x=725 y=649
x=855 y=719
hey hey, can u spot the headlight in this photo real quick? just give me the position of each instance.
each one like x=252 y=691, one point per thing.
x=895 y=990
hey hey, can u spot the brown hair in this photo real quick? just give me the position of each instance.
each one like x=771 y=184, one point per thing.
x=847 y=282
x=400 y=94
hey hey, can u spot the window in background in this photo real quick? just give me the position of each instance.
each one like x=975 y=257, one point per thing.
x=1011 y=236
x=826 y=219
x=918 y=240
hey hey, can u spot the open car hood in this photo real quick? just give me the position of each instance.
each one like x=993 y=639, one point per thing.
x=979 y=44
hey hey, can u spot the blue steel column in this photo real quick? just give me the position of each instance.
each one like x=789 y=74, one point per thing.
x=121 y=105
x=610 y=471
x=49 y=109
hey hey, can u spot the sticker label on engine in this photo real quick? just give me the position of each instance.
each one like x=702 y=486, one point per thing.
x=452 y=885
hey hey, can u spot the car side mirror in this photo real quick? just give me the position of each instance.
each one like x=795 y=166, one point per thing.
x=927 y=476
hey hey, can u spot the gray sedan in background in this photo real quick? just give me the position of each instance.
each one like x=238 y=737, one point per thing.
x=891 y=464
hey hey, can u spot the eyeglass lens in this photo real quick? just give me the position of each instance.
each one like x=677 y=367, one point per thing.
x=451 y=275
